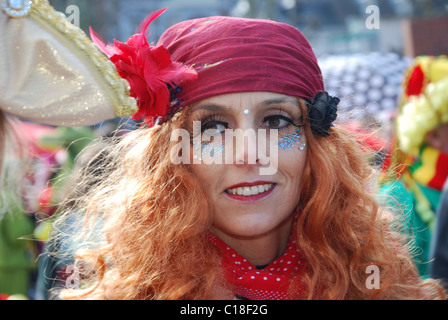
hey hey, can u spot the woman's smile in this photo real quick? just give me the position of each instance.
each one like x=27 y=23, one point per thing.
x=248 y=192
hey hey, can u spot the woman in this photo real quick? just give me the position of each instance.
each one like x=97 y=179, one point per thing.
x=420 y=153
x=190 y=224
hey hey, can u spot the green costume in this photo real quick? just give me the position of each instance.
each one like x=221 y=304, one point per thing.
x=16 y=255
x=400 y=197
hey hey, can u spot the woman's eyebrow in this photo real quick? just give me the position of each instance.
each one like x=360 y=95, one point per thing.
x=211 y=107
x=263 y=104
x=276 y=101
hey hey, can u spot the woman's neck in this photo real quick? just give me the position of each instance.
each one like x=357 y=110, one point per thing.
x=263 y=249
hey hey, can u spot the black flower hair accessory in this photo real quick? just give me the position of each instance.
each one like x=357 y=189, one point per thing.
x=322 y=111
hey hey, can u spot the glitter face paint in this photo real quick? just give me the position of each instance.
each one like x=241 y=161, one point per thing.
x=209 y=149
x=216 y=148
x=288 y=141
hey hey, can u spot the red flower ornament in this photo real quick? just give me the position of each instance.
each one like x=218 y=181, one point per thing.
x=148 y=69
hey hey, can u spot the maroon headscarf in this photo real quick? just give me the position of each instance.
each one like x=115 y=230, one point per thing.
x=239 y=54
x=205 y=57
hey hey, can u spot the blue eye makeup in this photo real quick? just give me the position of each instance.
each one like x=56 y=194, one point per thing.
x=289 y=141
x=211 y=149
x=208 y=138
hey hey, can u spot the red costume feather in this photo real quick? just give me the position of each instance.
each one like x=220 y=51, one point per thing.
x=416 y=82
x=148 y=69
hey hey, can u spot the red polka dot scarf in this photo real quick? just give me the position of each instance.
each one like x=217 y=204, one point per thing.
x=269 y=283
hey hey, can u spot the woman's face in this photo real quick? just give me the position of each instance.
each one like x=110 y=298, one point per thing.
x=247 y=201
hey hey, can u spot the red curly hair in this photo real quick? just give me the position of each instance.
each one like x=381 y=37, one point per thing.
x=155 y=218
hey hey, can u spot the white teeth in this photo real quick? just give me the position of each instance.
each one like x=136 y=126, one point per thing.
x=250 y=191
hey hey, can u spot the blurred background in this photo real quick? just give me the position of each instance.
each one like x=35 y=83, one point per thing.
x=332 y=26
x=362 y=53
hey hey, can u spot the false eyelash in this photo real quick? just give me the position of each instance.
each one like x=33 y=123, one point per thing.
x=204 y=116
x=217 y=118
x=285 y=116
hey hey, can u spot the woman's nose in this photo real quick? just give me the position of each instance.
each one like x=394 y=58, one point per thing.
x=250 y=147
x=245 y=147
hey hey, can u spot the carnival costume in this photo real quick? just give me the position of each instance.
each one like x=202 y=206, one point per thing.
x=206 y=57
x=422 y=169
x=52 y=73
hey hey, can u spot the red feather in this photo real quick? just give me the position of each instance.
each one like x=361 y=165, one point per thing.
x=143 y=29
x=416 y=82
x=149 y=70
